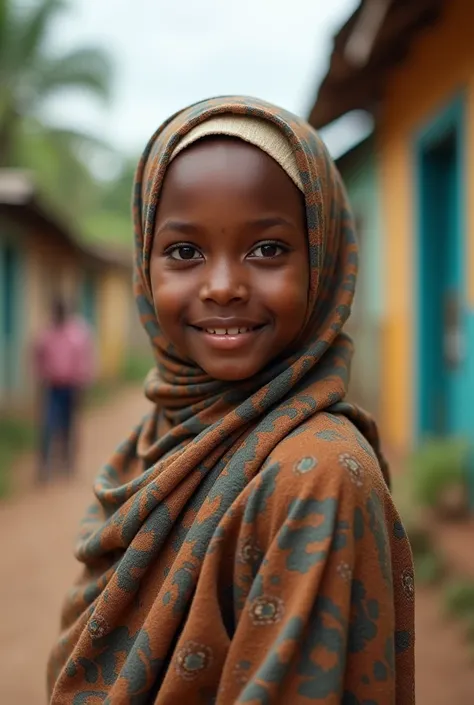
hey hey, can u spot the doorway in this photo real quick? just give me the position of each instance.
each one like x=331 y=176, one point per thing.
x=441 y=321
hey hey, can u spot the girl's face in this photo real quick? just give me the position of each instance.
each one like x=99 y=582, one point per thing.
x=229 y=265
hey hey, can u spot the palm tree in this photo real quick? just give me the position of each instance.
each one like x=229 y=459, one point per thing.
x=30 y=74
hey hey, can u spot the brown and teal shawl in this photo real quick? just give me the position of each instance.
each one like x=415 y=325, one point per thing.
x=243 y=546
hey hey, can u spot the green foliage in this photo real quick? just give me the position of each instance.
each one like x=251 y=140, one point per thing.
x=437 y=466
x=136 y=368
x=103 y=226
x=84 y=68
x=429 y=565
x=59 y=158
x=63 y=179
x=430 y=569
x=16 y=436
x=402 y=490
x=134 y=371
x=31 y=74
x=459 y=598
x=420 y=541
x=100 y=393
x=111 y=219
x=6 y=460
x=117 y=194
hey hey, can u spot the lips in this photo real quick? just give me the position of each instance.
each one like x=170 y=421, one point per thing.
x=226 y=326
x=227 y=334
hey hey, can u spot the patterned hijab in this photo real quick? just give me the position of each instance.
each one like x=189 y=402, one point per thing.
x=206 y=439
x=187 y=397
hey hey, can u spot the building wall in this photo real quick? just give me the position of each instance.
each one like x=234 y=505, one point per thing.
x=360 y=176
x=438 y=67
x=11 y=312
x=113 y=316
x=48 y=267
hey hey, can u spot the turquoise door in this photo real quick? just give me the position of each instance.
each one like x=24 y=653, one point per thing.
x=10 y=311
x=89 y=299
x=443 y=389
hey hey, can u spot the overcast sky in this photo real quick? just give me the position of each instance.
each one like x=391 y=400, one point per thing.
x=169 y=53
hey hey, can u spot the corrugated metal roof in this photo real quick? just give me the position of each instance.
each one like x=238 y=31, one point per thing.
x=374 y=39
x=18 y=195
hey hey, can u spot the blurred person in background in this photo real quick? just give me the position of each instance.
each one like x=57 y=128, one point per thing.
x=64 y=367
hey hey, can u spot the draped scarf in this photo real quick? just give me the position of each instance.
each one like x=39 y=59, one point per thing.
x=160 y=498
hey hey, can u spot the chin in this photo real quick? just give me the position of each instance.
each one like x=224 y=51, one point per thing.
x=230 y=373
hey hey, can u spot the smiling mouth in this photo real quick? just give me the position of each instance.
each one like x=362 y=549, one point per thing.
x=229 y=331
x=228 y=339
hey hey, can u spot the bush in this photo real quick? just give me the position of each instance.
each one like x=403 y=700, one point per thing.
x=429 y=565
x=6 y=459
x=16 y=436
x=459 y=599
x=439 y=472
x=429 y=568
x=136 y=368
x=420 y=540
x=100 y=393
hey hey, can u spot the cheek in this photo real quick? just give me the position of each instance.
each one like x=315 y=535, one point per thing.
x=287 y=293
x=167 y=294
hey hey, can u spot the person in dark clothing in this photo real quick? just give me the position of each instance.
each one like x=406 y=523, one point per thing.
x=64 y=366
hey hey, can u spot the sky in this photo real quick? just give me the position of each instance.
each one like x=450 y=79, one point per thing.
x=168 y=54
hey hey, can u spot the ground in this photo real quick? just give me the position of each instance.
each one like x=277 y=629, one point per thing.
x=37 y=530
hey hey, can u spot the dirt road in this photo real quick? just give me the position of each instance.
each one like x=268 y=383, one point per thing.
x=37 y=532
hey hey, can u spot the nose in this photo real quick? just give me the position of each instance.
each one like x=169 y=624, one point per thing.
x=224 y=283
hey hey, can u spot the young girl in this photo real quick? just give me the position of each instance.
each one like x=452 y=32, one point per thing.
x=243 y=546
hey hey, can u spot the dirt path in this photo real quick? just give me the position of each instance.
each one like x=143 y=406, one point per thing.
x=37 y=531
x=445 y=671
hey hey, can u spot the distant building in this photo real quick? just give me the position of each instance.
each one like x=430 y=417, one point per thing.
x=40 y=257
x=412 y=66
x=358 y=168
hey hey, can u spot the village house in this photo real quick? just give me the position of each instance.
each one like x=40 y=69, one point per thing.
x=411 y=64
x=359 y=170
x=40 y=257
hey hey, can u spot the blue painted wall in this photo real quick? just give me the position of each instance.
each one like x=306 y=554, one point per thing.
x=358 y=168
x=441 y=251
x=11 y=317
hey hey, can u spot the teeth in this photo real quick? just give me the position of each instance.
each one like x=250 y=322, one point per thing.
x=226 y=331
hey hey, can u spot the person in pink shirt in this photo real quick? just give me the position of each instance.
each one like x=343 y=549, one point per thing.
x=64 y=365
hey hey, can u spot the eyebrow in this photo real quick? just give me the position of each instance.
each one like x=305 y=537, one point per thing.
x=178 y=226
x=271 y=222
x=187 y=228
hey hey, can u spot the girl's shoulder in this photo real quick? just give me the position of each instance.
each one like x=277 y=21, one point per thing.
x=323 y=468
x=327 y=450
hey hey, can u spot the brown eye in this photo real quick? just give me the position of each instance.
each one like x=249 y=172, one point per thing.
x=184 y=252
x=267 y=250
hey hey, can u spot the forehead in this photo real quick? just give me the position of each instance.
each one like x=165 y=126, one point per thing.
x=231 y=166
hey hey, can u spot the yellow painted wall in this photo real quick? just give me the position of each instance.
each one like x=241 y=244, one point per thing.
x=113 y=305
x=439 y=65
